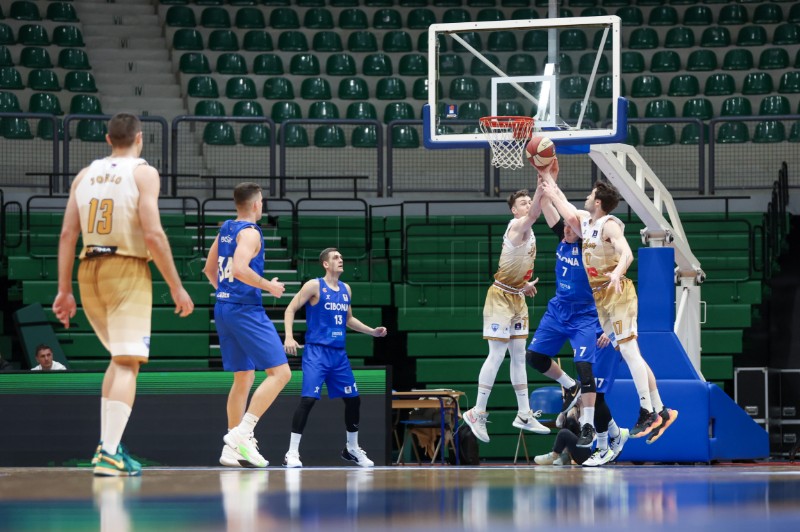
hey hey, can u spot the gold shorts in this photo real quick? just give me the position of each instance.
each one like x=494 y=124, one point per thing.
x=618 y=313
x=117 y=297
x=505 y=316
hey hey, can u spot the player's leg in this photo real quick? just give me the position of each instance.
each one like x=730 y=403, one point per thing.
x=547 y=341
x=525 y=418
x=603 y=453
x=341 y=383
x=292 y=456
x=666 y=416
x=315 y=370
x=237 y=396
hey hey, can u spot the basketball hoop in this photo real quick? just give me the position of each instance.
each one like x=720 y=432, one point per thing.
x=507 y=136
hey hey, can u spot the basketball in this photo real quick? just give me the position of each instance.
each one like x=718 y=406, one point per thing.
x=540 y=151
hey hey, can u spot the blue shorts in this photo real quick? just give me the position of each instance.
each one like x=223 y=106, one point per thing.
x=247 y=338
x=605 y=368
x=579 y=326
x=329 y=365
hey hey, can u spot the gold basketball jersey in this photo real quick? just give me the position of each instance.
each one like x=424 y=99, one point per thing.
x=516 y=263
x=599 y=257
x=108 y=203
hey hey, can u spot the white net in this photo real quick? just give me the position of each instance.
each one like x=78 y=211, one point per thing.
x=507 y=136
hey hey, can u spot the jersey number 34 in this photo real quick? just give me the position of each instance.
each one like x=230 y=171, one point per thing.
x=226 y=268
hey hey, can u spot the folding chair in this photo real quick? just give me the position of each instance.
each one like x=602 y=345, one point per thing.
x=546 y=400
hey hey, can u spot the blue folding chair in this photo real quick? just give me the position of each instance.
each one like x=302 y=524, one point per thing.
x=547 y=401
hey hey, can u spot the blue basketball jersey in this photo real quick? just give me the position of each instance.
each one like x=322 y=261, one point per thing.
x=572 y=285
x=229 y=289
x=327 y=320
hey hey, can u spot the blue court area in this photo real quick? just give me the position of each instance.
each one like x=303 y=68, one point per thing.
x=733 y=497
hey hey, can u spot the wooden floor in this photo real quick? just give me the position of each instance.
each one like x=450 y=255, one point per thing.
x=754 y=498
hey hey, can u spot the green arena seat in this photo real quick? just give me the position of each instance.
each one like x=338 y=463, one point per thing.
x=701 y=61
x=768 y=13
x=278 y=89
x=790 y=83
x=223 y=41
x=405 y=137
x=310 y=3
x=738 y=59
x=215 y=17
x=660 y=109
x=187 y=39
x=733 y=133
x=690 y=134
x=35 y=57
x=565 y=64
x=633 y=136
x=420 y=18
x=387 y=19
x=304 y=65
x=757 y=83
x=24 y=10
x=194 y=63
x=422 y=43
x=594 y=11
x=398 y=111
x=327 y=41
x=631 y=62
x=231 y=63
x=391 y=89
x=700 y=108
x=774 y=105
x=10 y=79
x=456 y=15
x=773 y=58
x=203 y=87
x=33 y=35
x=352 y=19
x=91 y=130
x=794 y=134
x=329 y=136
x=340 y=65
x=419 y=90
x=604 y=87
x=586 y=63
x=10 y=104
x=241 y=88
x=209 y=108
x=282 y=111
x=572 y=40
x=751 y=36
x=733 y=14
x=61 y=12
x=255 y=135
x=643 y=39
x=43 y=80
x=719 y=85
x=769 y=131
x=268 y=64
x=362 y=41
x=490 y=15
x=698 y=16
x=501 y=41
x=715 y=37
x=6 y=35
x=292 y=41
x=353 y=89
x=46 y=129
x=512 y=108
x=361 y=111
x=573 y=87
x=323 y=110
x=377 y=65
x=80 y=81
x=663 y=16
x=248 y=108
x=646 y=86
x=535 y=41
x=85 y=104
x=659 y=135
x=592 y=111
x=258 y=41
x=665 y=61
x=15 y=129
x=318 y=18
x=472 y=110
x=397 y=41
x=219 y=134
x=521 y=65
x=451 y=65
x=684 y=85
x=315 y=88
x=470 y=37
x=630 y=16
x=786 y=34
x=67 y=36
x=413 y=65
x=250 y=18
x=181 y=17
x=794 y=13
x=679 y=37
x=736 y=106
x=284 y=18
x=464 y=89
x=5 y=57
x=364 y=137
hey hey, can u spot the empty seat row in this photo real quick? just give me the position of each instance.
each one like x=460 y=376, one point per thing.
x=281 y=111
x=47 y=80
x=38 y=57
x=308 y=65
x=703 y=60
x=767 y=131
x=700 y=15
x=294 y=136
x=56 y=11
x=385 y=3
x=703 y=109
x=36 y=35
x=711 y=37
x=48 y=103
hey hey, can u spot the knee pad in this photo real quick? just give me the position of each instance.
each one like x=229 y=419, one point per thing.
x=538 y=361
x=586 y=377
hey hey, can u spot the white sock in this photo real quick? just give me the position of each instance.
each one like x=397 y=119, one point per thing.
x=103 y=418
x=483 y=398
x=497 y=352
x=655 y=398
x=117 y=415
x=613 y=429
x=523 y=402
x=632 y=356
x=587 y=415
x=247 y=425
x=602 y=440
x=294 y=442
x=519 y=375
x=352 y=440
x=566 y=381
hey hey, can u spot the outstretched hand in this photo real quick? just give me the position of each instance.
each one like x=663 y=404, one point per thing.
x=530 y=288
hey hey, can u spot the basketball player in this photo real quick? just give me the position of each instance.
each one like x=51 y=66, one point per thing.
x=505 y=316
x=113 y=205
x=247 y=338
x=606 y=258
x=329 y=311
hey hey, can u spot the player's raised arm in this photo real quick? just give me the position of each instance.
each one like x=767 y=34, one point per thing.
x=307 y=293
x=613 y=233
x=571 y=215
x=211 y=269
x=64 y=305
x=356 y=325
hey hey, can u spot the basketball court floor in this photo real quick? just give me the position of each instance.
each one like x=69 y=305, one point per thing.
x=732 y=497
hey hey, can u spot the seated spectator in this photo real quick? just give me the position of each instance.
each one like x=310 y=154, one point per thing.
x=44 y=356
